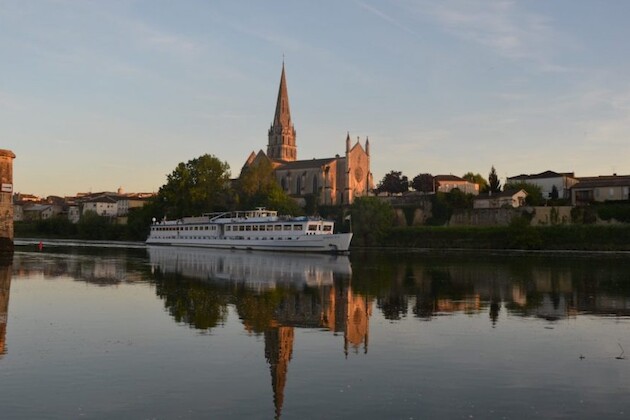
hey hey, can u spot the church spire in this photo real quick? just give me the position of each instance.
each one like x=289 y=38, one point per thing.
x=282 y=134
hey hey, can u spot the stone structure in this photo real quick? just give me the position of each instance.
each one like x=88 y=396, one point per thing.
x=6 y=201
x=333 y=181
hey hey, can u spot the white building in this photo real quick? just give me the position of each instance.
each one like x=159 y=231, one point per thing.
x=103 y=206
x=447 y=183
x=547 y=180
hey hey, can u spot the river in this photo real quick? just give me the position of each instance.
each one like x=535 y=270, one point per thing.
x=102 y=331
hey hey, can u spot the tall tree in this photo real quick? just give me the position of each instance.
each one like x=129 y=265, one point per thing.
x=394 y=182
x=494 y=185
x=371 y=218
x=197 y=186
x=423 y=183
x=257 y=187
x=477 y=179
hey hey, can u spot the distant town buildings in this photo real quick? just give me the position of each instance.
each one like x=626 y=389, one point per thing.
x=114 y=205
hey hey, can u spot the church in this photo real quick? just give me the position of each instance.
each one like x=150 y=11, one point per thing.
x=333 y=181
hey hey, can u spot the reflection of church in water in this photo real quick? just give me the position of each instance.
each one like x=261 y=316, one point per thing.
x=339 y=310
x=333 y=181
x=275 y=293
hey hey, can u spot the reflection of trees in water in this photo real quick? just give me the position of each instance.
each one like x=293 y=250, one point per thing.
x=546 y=287
x=199 y=304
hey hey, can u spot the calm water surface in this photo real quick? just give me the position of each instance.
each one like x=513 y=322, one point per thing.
x=116 y=332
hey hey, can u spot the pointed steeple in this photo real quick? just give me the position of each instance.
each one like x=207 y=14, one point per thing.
x=283 y=113
x=282 y=134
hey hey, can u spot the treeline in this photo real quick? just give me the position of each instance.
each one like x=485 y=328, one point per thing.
x=90 y=227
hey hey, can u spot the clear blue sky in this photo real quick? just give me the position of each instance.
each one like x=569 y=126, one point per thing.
x=100 y=94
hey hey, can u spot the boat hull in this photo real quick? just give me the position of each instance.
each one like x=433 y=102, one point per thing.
x=332 y=243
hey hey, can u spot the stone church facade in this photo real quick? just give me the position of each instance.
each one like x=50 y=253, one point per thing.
x=334 y=181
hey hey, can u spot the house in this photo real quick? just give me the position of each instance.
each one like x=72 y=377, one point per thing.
x=127 y=202
x=500 y=199
x=447 y=183
x=38 y=212
x=563 y=181
x=601 y=188
x=104 y=205
x=18 y=212
x=73 y=213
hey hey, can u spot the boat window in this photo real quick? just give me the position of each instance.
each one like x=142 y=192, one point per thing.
x=327 y=228
x=248 y=228
x=312 y=227
x=286 y=227
x=277 y=227
x=269 y=227
x=228 y=228
x=255 y=228
x=241 y=228
x=297 y=227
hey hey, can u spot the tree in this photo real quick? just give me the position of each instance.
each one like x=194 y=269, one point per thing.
x=494 y=185
x=477 y=179
x=197 y=186
x=394 y=182
x=371 y=218
x=257 y=187
x=423 y=183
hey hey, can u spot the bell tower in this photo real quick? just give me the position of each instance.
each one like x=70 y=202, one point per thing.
x=281 y=144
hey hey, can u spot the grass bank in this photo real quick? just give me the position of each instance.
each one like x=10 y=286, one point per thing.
x=561 y=237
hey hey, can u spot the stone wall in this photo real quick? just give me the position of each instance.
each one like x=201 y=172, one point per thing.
x=6 y=201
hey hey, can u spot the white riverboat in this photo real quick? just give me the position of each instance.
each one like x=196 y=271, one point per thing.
x=258 y=229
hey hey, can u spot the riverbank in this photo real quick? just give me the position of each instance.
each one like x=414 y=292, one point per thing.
x=550 y=238
x=558 y=238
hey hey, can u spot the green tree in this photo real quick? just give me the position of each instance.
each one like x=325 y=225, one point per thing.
x=394 y=182
x=197 y=186
x=94 y=226
x=257 y=187
x=423 y=183
x=371 y=218
x=477 y=179
x=494 y=185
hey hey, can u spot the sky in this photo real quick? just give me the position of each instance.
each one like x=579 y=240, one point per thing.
x=97 y=95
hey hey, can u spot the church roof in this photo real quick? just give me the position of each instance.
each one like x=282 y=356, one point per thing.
x=306 y=164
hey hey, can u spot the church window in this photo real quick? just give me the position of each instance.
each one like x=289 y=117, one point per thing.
x=315 y=184
x=299 y=185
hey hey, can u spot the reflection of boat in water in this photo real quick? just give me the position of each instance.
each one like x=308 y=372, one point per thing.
x=256 y=269
x=260 y=229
